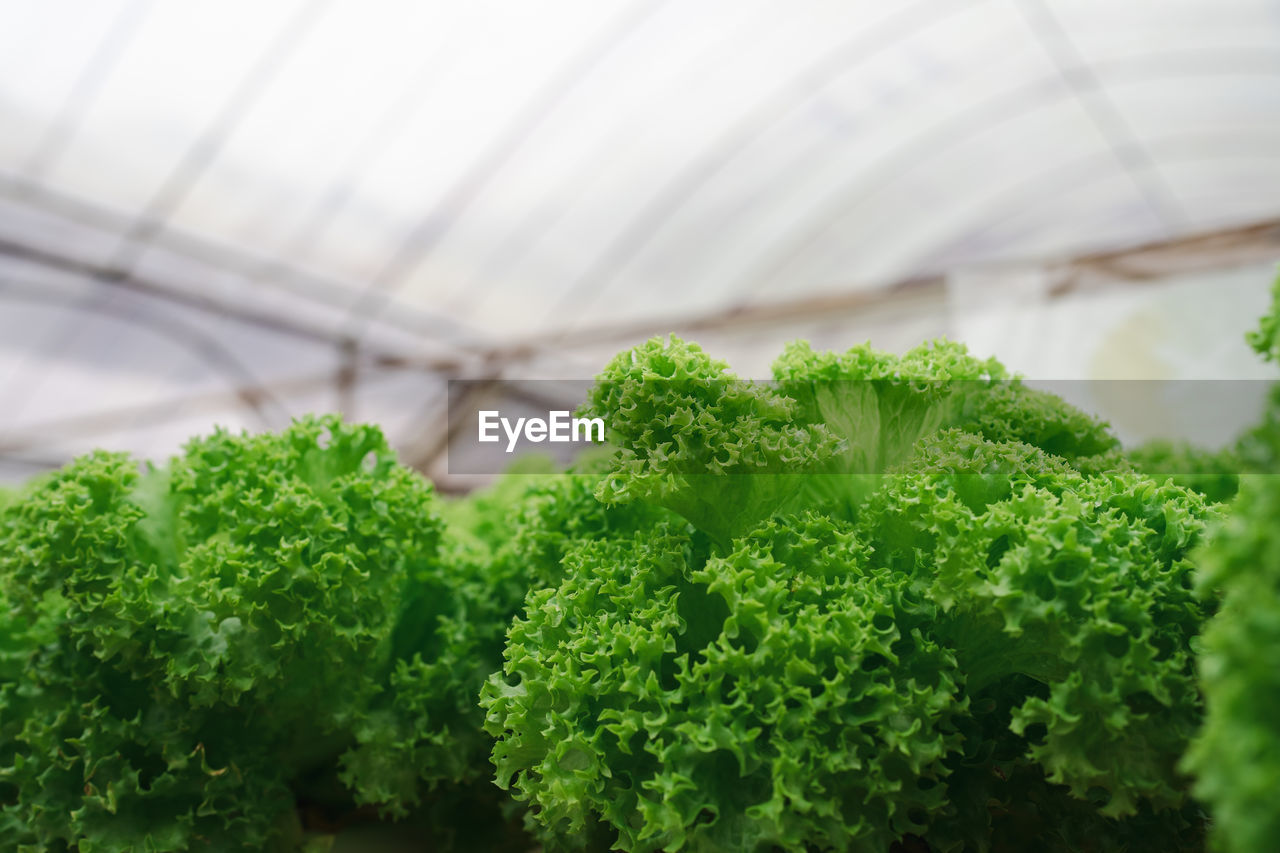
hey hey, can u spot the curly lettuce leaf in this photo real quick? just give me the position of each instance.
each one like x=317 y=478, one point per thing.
x=1236 y=757
x=778 y=696
x=1012 y=411
x=878 y=405
x=425 y=734
x=1079 y=583
x=722 y=452
x=1213 y=473
x=224 y=622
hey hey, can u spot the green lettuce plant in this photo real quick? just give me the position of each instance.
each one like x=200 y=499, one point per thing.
x=190 y=651
x=1237 y=756
x=890 y=586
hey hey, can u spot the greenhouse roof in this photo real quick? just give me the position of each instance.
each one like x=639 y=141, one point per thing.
x=233 y=212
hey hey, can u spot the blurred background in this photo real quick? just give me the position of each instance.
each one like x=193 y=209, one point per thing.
x=235 y=212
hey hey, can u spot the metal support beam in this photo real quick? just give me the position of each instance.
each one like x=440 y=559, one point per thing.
x=240 y=313
x=1232 y=246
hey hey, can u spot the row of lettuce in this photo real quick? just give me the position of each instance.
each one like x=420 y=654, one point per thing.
x=880 y=601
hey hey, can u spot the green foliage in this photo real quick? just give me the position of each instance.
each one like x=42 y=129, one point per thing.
x=1259 y=447
x=198 y=643
x=644 y=692
x=877 y=405
x=1213 y=473
x=881 y=602
x=726 y=453
x=1237 y=757
x=1078 y=583
x=881 y=405
x=908 y=582
x=1266 y=338
x=427 y=727
x=1216 y=473
x=558 y=512
x=721 y=451
x=1010 y=411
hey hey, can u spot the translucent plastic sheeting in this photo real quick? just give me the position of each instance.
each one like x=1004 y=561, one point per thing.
x=422 y=184
x=1163 y=346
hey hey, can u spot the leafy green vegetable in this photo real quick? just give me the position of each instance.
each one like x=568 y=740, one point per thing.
x=721 y=451
x=1078 y=583
x=558 y=512
x=1266 y=338
x=878 y=405
x=1259 y=447
x=1011 y=411
x=880 y=600
x=1237 y=756
x=202 y=641
x=906 y=580
x=647 y=695
x=425 y=727
x=428 y=728
x=1214 y=474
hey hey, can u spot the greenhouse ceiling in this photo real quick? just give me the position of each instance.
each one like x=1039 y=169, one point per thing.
x=232 y=212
